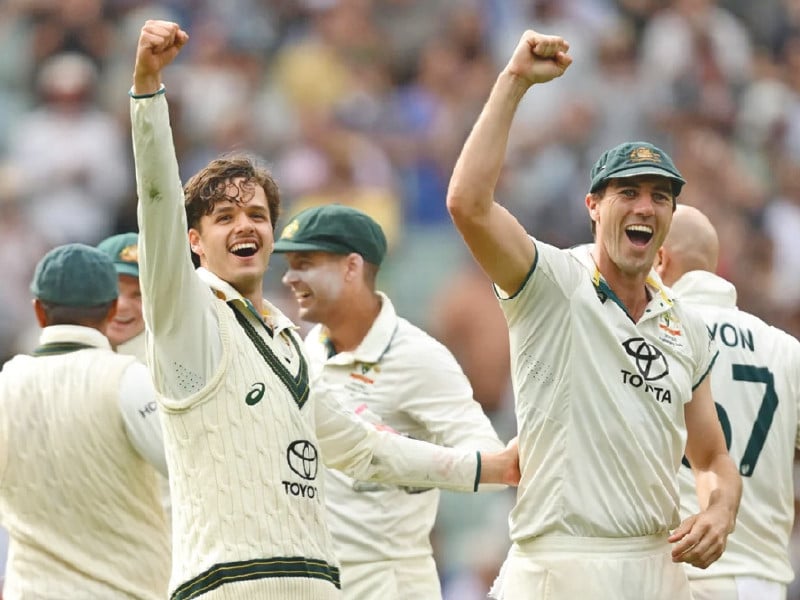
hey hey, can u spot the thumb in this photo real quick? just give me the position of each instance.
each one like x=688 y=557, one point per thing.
x=682 y=529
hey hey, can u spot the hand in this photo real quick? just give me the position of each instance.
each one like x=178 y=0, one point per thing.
x=539 y=58
x=159 y=44
x=701 y=538
x=501 y=467
x=513 y=474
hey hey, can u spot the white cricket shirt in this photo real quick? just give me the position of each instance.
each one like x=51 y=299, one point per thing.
x=399 y=377
x=756 y=386
x=599 y=401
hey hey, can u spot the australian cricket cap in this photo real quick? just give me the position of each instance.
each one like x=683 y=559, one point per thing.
x=75 y=275
x=336 y=229
x=635 y=158
x=123 y=250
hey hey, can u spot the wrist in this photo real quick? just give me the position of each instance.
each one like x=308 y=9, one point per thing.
x=144 y=85
x=133 y=93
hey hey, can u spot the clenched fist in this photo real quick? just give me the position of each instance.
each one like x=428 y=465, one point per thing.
x=159 y=44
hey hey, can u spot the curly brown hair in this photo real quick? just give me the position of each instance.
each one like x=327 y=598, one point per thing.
x=211 y=185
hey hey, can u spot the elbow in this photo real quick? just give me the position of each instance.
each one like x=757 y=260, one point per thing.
x=456 y=204
x=462 y=208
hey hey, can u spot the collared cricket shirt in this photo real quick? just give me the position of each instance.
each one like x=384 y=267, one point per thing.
x=599 y=401
x=756 y=387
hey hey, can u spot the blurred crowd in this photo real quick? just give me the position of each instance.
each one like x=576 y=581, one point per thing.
x=367 y=103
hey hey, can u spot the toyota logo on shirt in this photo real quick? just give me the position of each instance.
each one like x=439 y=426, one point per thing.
x=303 y=460
x=649 y=360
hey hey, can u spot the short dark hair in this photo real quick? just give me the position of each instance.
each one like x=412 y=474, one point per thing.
x=88 y=316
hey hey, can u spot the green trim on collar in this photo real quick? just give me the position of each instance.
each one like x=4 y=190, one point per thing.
x=298 y=385
x=249 y=570
x=54 y=348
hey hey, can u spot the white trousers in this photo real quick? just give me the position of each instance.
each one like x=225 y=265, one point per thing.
x=407 y=579
x=736 y=588
x=573 y=568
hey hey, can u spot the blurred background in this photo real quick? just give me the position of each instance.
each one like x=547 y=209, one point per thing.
x=367 y=103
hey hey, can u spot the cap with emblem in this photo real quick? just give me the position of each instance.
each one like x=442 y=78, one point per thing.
x=75 y=275
x=123 y=250
x=336 y=229
x=635 y=158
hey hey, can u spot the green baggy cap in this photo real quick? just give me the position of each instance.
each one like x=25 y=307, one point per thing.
x=336 y=229
x=75 y=275
x=635 y=158
x=123 y=250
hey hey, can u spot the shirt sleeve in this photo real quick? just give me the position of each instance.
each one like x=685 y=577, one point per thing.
x=368 y=453
x=444 y=405
x=178 y=307
x=137 y=402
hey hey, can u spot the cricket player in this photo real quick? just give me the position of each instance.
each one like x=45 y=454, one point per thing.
x=609 y=372
x=245 y=433
x=756 y=385
x=391 y=373
x=78 y=455
x=126 y=331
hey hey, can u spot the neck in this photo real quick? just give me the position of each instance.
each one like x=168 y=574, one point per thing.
x=348 y=330
x=630 y=288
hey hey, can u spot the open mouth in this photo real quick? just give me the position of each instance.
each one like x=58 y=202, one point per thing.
x=639 y=235
x=244 y=249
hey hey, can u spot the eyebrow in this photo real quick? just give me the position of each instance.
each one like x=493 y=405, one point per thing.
x=623 y=182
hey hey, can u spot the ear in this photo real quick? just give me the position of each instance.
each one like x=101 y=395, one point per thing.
x=194 y=242
x=41 y=315
x=593 y=206
x=354 y=266
x=661 y=262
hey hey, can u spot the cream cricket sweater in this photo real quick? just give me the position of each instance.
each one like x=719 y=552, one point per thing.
x=245 y=472
x=81 y=505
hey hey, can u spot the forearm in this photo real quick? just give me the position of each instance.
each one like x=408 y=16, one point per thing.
x=719 y=487
x=478 y=168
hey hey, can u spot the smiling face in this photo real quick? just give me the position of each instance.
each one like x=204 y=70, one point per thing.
x=632 y=218
x=318 y=281
x=234 y=241
x=128 y=322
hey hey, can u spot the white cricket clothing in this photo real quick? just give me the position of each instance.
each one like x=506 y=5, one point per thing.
x=599 y=401
x=152 y=447
x=399 y=377
x=243 y=436
x=135 y=347
x=78 y=498
x=558 y=567
x=739 y=587
x=397 y=579
x=756 y=385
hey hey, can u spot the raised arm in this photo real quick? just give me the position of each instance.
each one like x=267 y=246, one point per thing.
x=159 y=44
x=494 y=236
x=177 y=306
x=701 y=538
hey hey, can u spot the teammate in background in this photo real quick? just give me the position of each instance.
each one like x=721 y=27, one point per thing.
x=243 y=432
x=126 y=330
x=391 y=373
x=609 y=372
x=78 y=494
x=756 y=384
